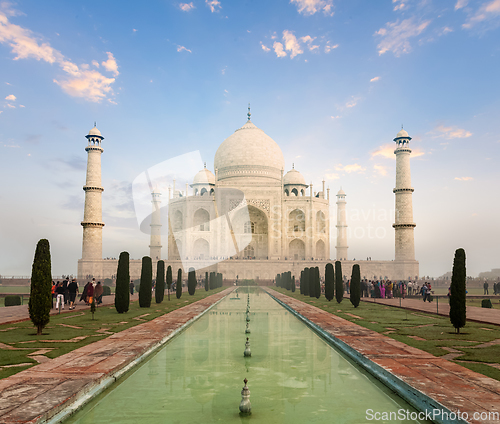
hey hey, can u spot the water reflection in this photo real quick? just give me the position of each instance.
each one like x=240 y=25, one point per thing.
x=294 y=376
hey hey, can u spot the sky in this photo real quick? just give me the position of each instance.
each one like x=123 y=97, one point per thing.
x=330 y=81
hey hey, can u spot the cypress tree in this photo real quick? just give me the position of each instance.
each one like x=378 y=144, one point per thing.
x=160 y=282
x=122 y=292
x=146 y=283
x=41 y=283
x=293 y=284
x=339 y=284
x=178 y=285
x=317 y=283
x=457 y=291
x=355 y=289
x=206 y=281
x=191 y=281
x=312 y=282
x=169 y=280
x=278 y=282
x=306 y=282
x=301 y=282
x=211 y=281
x=329 y=285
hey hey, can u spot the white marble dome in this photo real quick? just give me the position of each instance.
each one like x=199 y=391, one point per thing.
x=204 y=177
x=294 y=177
x=95 y=131
x=249 y=152
x=402 y=133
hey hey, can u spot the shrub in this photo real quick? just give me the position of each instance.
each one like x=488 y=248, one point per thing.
x=106 y=290
x=191 y=281
x=107 y=282
x=457 y=291
x=485 y=303
x=246 y=283
x=178 y=285
x=40 y=301
x=306 y=282
x=14 y=300
x=329 y=283
x=355 y=286
x=339 y=284
x=169 y=280
x=146 y=283
x=122 y=292
x=160 y=282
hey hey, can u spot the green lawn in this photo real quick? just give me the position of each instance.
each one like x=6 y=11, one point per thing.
x=438 y=332
x=79 y=327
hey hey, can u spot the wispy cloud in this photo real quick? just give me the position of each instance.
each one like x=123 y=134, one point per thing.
x=460 y=4
x=350 y=168
x=278 y=49
x=214 y=5
x=374 y=79
x=329 y=47
x=486 y=12
x=464 y=178
x=11 y=98
x=399 y=5
x=449 y=132
x=110 y=65
x=182 y=48
x=186 y=7
x=332 y=176
x=308 y=40
x=395 y=37
x=265 y=48
x=310 y=7
x=79 y=81
x=291 y=44
x=380 y=169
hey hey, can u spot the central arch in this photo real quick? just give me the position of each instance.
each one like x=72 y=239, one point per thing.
x=201 y=249
x=255 y=223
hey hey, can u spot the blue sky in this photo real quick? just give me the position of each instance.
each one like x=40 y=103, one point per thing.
x=330 y=81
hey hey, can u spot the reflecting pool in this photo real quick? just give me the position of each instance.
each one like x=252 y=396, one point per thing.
x=197 y=377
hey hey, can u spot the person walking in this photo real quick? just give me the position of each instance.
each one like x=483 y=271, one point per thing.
x=90 y=294
x=131 y=287
x=59 y=295
x=98 y=292
x=485 y=287
x=72 y=290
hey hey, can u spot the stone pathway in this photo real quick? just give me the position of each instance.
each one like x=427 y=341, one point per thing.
x=40 y=392
x=452 y=385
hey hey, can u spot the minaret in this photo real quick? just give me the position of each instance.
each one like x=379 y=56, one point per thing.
x=92 y=214
x=155 y=243
x=404 y=225
x=341 y=247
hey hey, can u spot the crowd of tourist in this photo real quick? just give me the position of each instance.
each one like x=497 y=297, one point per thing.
x=65 y=292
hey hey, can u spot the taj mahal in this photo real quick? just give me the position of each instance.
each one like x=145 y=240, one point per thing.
x=249 y=219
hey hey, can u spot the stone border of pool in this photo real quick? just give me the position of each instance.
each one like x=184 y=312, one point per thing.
x=52 y=391
x=420 y=378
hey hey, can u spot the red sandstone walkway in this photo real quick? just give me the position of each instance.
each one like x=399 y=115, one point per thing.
x=40 y=392
x=441 y=307
x=453 y=386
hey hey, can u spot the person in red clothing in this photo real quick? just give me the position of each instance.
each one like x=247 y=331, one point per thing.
x=90 y=293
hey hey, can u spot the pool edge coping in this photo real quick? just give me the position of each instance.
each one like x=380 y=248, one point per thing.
x=410 y=394
x=88 y=393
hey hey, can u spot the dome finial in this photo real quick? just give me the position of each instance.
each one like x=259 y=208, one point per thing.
x=95 y=124
x=249 y=114
x=401 y=126
x=205 y=165
x=293 y=166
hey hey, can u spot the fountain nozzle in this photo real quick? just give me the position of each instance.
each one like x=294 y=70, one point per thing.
x=245 y=405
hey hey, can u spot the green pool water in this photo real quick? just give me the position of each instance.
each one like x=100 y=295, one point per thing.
x=293 y=375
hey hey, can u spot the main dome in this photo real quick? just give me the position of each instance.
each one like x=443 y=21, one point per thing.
x=249 y=152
